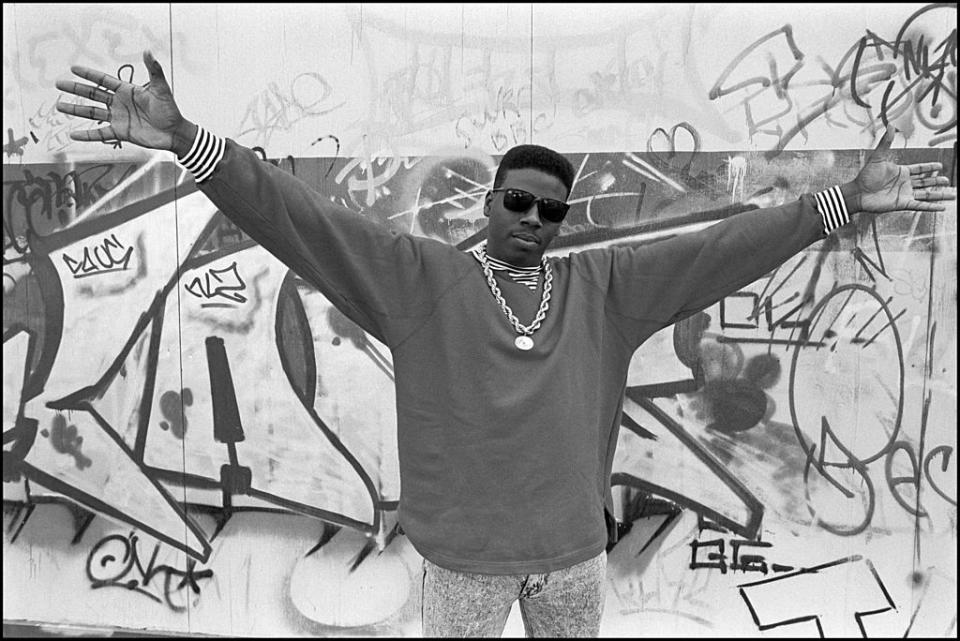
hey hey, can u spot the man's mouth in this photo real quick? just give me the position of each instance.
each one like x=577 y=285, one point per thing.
x=527 y=238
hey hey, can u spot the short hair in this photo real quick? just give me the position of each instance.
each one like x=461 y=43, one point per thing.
x=536 y=157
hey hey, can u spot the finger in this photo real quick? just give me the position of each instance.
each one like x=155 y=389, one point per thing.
x=154 y=68
x=83 y=111
x=917 y=205
x=84 y=91
x=936 y=194
x=101 y=79
x=883 y=147
x=924 y=167
x=930 y=181
x=104 y=134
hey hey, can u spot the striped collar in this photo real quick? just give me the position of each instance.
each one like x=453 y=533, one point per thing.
x=527 y=276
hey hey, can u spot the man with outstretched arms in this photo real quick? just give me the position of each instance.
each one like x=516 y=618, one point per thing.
x=510 y=366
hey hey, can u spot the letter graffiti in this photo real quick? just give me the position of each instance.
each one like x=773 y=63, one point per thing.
x=115 y=562
x=909 y=79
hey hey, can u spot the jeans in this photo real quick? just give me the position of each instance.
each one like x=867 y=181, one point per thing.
x=562 y=603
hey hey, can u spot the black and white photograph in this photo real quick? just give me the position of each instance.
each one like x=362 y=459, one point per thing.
x=493 y=320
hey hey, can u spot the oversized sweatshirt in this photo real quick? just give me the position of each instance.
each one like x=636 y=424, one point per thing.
x=505 y=455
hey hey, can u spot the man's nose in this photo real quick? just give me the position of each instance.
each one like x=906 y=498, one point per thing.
x=532 y=216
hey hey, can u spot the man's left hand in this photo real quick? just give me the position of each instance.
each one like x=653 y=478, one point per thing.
x=884 y=186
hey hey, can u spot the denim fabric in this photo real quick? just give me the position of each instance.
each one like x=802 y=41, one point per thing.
x=563 y=603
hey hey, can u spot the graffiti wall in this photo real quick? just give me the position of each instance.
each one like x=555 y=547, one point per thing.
x=195 y=440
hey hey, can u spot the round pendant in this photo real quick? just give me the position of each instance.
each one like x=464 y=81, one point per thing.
x=523 y=342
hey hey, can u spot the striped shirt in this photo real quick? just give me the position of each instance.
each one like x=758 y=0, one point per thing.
x=832 y=208
x=527 y=276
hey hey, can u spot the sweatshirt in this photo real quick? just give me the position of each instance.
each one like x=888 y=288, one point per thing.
x=505 y=455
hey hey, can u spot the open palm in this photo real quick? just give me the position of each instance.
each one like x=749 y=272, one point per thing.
x=886 y=186
x=147 y=116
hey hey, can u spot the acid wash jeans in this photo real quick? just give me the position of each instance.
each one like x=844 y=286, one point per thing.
x=562 y=603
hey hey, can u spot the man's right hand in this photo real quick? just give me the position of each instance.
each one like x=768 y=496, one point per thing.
x=147 y=116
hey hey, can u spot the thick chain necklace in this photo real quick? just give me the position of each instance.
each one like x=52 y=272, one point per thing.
x=523 y=341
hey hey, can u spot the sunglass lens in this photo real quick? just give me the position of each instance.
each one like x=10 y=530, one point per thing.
x=553 y=210
x=517 y=199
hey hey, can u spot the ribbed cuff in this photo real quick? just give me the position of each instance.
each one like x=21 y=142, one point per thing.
x=833 y=209
x=204 y=154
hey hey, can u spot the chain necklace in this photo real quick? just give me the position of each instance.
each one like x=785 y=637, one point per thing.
x=523 y=341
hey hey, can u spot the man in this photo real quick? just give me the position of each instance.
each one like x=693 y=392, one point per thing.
x=510 y=367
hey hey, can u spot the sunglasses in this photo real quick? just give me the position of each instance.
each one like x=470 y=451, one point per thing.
x=519 y=200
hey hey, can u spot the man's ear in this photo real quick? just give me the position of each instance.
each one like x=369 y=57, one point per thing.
x=486 y=204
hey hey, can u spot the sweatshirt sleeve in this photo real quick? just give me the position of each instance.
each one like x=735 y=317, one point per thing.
x=379 y=278
x=650 y=286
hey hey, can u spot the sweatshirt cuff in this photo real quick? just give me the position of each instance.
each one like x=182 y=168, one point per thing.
x=204 y=155
x=832 y=208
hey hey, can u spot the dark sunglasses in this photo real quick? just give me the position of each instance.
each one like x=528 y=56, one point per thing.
x=519 y=200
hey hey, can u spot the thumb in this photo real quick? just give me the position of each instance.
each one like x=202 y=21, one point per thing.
x=882 y=150
x=154 y=69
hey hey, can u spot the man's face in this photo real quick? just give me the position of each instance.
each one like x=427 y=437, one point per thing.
x=520 y=238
